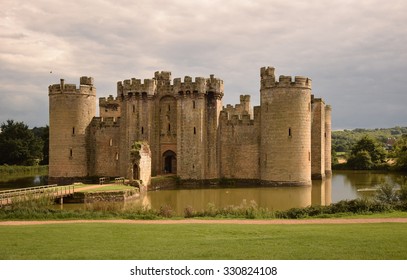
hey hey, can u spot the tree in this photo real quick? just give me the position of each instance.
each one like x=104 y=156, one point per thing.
x=366 y=154
x=361 y=161
x=19 y=145
x=400 y=153
x=43 y=134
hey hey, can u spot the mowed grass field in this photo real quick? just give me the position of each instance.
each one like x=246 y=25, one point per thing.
x=108 y=241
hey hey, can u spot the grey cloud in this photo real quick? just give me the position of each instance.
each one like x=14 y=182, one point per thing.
x=353 y=51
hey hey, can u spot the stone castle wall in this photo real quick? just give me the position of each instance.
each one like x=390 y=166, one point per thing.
x=318 y=137
x=239 y=146
x=105 y=147
x=282 y=141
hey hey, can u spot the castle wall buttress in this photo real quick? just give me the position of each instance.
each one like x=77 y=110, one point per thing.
x=191 y=137
x=328 y=140
x=318 y=138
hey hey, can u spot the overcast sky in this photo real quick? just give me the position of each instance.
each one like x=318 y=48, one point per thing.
x=355 y=52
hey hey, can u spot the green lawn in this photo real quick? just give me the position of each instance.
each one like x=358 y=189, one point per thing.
x=209 y=241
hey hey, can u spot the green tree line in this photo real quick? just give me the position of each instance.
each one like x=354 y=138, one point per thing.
x=365 y=149
x=20 y=145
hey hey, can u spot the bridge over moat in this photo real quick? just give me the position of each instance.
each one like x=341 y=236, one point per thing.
x=8 y=197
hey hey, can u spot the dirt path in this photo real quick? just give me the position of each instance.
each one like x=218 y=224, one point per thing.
x=194 y=221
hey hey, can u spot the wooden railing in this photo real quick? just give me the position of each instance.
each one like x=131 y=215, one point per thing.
x=119 y=180
x=53 y=191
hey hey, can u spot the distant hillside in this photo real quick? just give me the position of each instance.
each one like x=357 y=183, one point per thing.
x=342 y=141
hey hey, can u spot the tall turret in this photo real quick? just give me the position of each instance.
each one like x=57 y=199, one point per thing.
x=328 y=140
x=71 y=110
x=285 y=145
x=318 y=138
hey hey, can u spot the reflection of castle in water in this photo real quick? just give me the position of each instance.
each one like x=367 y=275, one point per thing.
x=276 y=198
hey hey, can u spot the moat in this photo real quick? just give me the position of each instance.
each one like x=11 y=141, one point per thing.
x=342 y=185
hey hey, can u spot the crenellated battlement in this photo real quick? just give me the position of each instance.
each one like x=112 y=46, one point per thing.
x=135 y=85
x=162 y=76
x=109 y=103
x=110 y=98
x=99 y=122
x=188 y=86
x=239 y=109
x=199 y=86
x=226 y=119
x=85 y=87
x=268 y=80
x=299 y=81
x=161 y=84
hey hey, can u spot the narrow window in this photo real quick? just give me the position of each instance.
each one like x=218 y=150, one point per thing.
x=142 y=130
x=309 y=156
x=193 y=104
x=134 y=108
x=194 y=130
x=117 y=156
x=169 y=108
x=70 y=153
x=73 y=130
x=169 y=128
x=111 y=142
x=289 y=132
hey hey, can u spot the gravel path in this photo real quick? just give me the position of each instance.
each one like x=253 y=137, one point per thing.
x=234 y=221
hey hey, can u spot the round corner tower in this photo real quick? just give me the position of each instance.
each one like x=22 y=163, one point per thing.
x=285 y=147
x=70 y=112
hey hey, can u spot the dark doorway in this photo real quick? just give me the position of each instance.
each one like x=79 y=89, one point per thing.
x=136 y=172
x=170 y=162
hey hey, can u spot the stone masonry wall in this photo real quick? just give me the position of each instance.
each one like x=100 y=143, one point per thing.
x=318 y=139
x=239 y=147
x=104 y=146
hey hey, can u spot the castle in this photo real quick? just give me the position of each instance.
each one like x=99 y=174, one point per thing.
x=157 y=126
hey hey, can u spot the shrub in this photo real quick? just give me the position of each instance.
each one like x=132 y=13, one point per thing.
x=386 y=193
x=189 y=212
x=166 y=211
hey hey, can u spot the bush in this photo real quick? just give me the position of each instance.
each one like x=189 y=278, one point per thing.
x=360 y=161
x=166 y=211
x=386 y=193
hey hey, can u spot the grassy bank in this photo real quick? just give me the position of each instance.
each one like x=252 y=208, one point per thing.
x=13 y=171
x=42 y=209
x=183 y=241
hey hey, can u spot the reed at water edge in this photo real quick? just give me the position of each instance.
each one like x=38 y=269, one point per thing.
x=7 y=171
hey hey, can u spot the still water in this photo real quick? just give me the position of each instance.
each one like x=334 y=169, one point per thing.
x=341 y=185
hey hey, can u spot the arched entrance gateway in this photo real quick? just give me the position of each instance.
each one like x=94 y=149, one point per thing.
x=169 y=162
x=136 y=172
